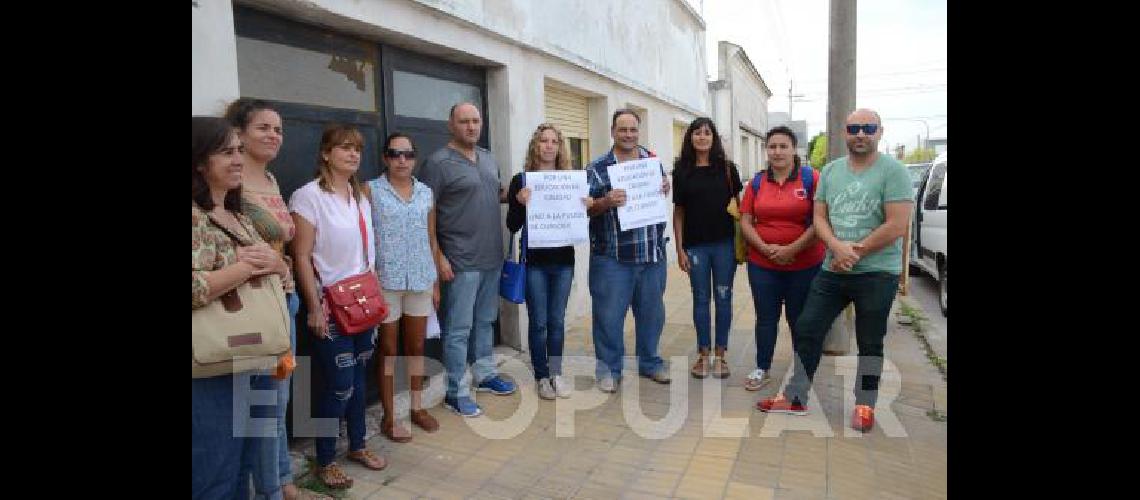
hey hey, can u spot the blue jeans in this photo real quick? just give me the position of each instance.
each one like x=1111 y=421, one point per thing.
x=217 y=441
x=770 y=290
x=470 y=305
x=269 y=462
x=614 y=288
x=343 y=358
x=873 y=293
x=715 y=262
x=547 y=291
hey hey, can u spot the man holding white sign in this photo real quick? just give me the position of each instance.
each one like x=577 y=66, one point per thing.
x=627 y=262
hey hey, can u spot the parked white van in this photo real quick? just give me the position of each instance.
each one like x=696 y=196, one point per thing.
x=929 y=243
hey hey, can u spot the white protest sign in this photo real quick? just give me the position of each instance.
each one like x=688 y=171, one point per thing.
x=555 y=215
x=644 y=202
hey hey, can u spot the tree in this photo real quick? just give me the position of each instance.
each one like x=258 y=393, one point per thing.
x=920 y=155
x=817 y=151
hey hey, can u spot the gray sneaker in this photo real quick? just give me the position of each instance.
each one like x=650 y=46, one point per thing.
x=757 y=380
x=561 y=387
x=607 y=384
x=545 y=391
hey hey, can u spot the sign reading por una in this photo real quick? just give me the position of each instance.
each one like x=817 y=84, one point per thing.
x=556 y=216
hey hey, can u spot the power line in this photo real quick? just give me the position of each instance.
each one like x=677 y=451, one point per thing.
x=892 y=73
x=913 y=117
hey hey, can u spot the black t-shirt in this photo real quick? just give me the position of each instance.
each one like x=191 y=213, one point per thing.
x=704 y=194
x=516 y=217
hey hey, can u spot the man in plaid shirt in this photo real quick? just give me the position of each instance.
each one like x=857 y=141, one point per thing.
x=627 y=268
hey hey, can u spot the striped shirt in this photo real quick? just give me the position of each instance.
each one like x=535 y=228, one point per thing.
x=636 y=246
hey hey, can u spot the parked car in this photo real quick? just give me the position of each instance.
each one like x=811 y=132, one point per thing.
x=918 y=173
x=929 y=252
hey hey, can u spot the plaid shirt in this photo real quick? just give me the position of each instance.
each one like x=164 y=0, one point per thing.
x=635 y=246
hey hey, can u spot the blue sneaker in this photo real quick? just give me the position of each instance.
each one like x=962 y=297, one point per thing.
x=463 y=406
x=496 y=385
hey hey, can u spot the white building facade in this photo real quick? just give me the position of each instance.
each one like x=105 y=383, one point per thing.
x=739 y=99
x=387 y=65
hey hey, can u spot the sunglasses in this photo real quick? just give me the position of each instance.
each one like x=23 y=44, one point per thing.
x=868 y=128
x=396 y=153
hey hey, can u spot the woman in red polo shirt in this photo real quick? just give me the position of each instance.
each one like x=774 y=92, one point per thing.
x=784 y=253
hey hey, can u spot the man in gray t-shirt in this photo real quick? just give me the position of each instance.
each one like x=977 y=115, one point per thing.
x=464 y=181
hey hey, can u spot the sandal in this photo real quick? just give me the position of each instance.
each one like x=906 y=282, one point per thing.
x=334 y=478
x=720 y=368
x=389 y=430
x=368 y=459
x=700 y=368
x=424 y=420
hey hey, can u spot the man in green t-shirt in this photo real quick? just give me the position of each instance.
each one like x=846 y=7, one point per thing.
x=862 y=207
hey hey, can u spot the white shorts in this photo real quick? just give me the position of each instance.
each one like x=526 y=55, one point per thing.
x=407 y=303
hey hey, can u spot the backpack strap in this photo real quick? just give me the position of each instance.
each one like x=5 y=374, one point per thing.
x=755 y=184
x=807 y=177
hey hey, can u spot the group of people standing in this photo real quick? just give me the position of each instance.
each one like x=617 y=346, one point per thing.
x=433 y=237
x=816 y=242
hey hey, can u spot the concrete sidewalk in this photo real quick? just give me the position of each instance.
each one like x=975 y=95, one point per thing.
x=747 y=454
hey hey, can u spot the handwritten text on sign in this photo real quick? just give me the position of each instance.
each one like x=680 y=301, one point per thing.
x=644 y=202
x=555 y=216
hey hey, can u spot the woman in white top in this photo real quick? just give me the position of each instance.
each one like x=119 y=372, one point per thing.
x=331 y=213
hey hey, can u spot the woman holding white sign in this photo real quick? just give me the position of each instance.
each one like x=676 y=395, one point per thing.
x=706 y=185
x=549 y=271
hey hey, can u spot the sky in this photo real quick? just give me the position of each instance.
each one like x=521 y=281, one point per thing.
x=900 y=58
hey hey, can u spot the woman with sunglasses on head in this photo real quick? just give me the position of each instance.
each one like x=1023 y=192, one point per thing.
x=549 y=271
x=403 y=215
x=334 y=241
x=704 y=194
x=784 y=254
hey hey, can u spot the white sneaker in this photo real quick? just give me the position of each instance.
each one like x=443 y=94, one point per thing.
x=757 y=380
x=607 y=384
x=560 y=387
x=545 y=391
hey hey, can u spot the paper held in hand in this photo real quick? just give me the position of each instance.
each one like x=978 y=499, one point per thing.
x=555 y=215
x=645 y=204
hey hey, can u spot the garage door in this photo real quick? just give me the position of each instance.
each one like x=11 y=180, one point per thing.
x=570 y=112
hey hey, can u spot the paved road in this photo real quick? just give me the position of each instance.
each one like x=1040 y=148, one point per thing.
x=924 y=292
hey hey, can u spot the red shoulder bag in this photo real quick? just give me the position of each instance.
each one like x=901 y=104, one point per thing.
x=356 y=303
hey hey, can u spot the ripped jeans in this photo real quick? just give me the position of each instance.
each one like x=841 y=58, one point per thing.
x=342 y=359
x=716 y=263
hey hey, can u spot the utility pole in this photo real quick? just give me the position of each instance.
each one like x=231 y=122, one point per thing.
x=840 y=75
x=791 y=98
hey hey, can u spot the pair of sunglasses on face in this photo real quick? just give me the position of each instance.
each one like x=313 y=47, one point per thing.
x=868 y=128
x=396 y=153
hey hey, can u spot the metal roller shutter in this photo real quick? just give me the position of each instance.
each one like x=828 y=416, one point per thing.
x=569 y=112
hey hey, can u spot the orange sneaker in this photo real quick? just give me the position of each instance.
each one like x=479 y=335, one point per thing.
x=863 y=418
x=780 y=405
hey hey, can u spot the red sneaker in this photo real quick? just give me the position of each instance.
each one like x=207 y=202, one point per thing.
x=863 y=418
x=780 y=405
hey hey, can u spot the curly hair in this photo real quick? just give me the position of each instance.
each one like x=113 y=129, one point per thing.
x=561 y=162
